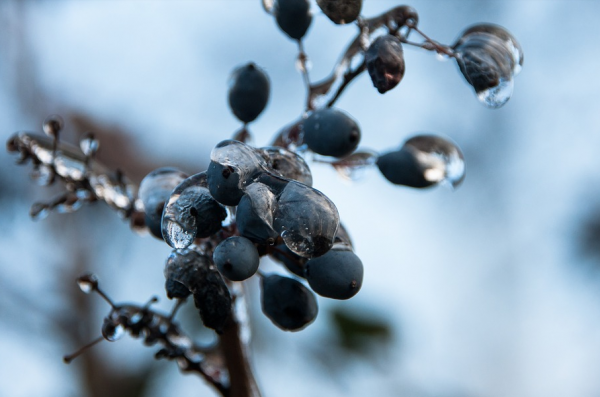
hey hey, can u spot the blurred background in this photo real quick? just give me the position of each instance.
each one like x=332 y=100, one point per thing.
x=491 y=290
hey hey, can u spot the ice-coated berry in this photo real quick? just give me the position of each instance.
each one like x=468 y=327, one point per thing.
x=341 y=11
x=155 y=190
x=224 y=183
x=385 y=62
x=338 y=274
x=331 y=132
x=236 y=258
x=423 y=161
x=287 y=303
x=293 y=17
x=249 y=92
x=254 y=214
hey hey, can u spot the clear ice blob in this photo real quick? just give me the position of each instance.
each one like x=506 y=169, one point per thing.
x=87 y=283
x=155 y=191
x=306 y=220
x=255 y=214
x=89 y=145
x=287 y=164
x=191 y=212
x=489 y=57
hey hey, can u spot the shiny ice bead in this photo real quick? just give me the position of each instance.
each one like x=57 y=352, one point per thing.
x=423 y=161
x=233 y=165
x=489 y=57
x=255 y=213
x=287 y=164
x=248 y=92
x=306 y=220
x=155 y=190
x=191 y=212
x=341 y=11
x=385 y=62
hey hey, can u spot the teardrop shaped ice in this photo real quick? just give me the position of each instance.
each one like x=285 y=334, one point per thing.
x=440 y=158
x=89 y=145
x=287 y=164
x=191 y=212
x=489 y=57
x=155 y=190
x=112 y=330
x=306 y=220
x=87 y=283
x=255 y=213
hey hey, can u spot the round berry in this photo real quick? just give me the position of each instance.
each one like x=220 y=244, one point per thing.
x=287 y=303
x=331 y=132
x=338 y=274
x=236 y=258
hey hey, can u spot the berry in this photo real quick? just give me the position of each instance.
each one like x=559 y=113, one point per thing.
x=331 y=132
x=306 y=219
x=181 y=270
x=338 y=274
x=287 y=164
x=236 y=258
x=423 y=161
x=341 y=11
x=287 y=303
x=224 y=183
x=191 y=212
x=155 y=190
x=385 y=62
x=293 y=17
x=254 y=214
x=249 y=92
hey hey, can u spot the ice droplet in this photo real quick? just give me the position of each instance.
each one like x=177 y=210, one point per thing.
x=440 y=159
x=287 y=164
x=306 y=219
x=497 y=96
x=191 y=212
x=112 y=331
x=489 y=57
x=87 y=283
x=89 y=145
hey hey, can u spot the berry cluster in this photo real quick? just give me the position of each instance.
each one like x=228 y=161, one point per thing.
x=256 y=202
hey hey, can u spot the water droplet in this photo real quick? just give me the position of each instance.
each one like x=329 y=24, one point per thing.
x=155 y=190
x=287 y=164
x=112 y=331
x=489 y=57
x=497 y=96
x=89 y=145
x=52 y=125
x=191 y=212
x=268 y=5
x=440 y=159
x=87 y=283
x=69 y=204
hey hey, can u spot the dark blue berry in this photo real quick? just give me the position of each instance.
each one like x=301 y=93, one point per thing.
x=331 y=132
x=236 y=258
x=249 y=92
x=338 y=274
x=385 y=62
x=287 y=303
